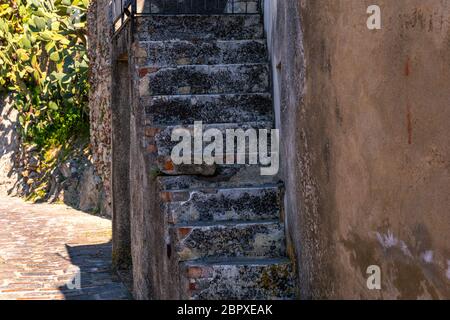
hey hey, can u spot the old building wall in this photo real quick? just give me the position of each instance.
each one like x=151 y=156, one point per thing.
x=363 y=118
x=364 y=122
x=99 y=50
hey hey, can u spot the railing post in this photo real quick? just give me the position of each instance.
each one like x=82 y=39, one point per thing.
x=134 y=7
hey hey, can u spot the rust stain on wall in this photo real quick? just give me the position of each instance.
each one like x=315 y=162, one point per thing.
x=407 y=67
x=409 y=123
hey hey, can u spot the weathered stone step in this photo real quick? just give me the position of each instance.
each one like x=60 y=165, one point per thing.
x=206 y=79
x=226 y=177
x=229 y=239
x=163 y=134
x=200 y=27
x=163 y=146
x=173 y=110
x=233 y=204
x=243 y=279
x=182 y=52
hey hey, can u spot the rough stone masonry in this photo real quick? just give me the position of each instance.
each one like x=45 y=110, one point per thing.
x=363 y=116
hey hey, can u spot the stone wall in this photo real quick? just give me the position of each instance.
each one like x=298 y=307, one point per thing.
x=99 y=34
x=364 y=123
x=84 y=180
x=9 y=146
x=24 y=171
x=110 y=108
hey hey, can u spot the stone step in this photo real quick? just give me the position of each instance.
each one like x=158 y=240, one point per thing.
x=243 y=279
x=223 y=223
x=182 y=52
x=228 y=239
x=163 y=134
x=225 y=177
x=200 y=27
x=163 y=146
x=205 y=79
x=231 y=108
x=233 y=204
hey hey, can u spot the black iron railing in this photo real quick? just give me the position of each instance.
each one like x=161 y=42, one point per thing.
x=201 y=7
x=125 y=9
x=122 y=11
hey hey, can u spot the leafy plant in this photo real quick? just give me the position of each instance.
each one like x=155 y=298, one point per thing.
x=44 y=65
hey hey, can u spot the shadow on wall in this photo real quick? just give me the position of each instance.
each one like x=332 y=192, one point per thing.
x=91 y=276
x=9 y=147
x=73 y=181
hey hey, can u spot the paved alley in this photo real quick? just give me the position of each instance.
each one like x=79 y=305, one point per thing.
x=55 y=252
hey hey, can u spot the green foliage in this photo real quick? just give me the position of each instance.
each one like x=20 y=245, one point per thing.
x=44 y=65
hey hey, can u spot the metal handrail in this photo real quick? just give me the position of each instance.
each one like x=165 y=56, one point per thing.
x=200 y=7
x=123 y=10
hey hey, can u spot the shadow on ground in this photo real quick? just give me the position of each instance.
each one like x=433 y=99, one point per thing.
x=93 y=277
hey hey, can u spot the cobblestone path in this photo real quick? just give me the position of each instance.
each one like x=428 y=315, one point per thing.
x=55 y=252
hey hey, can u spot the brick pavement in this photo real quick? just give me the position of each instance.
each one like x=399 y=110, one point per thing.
x=45 y=249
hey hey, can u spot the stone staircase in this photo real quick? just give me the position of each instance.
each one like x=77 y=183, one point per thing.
x=224 y=223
